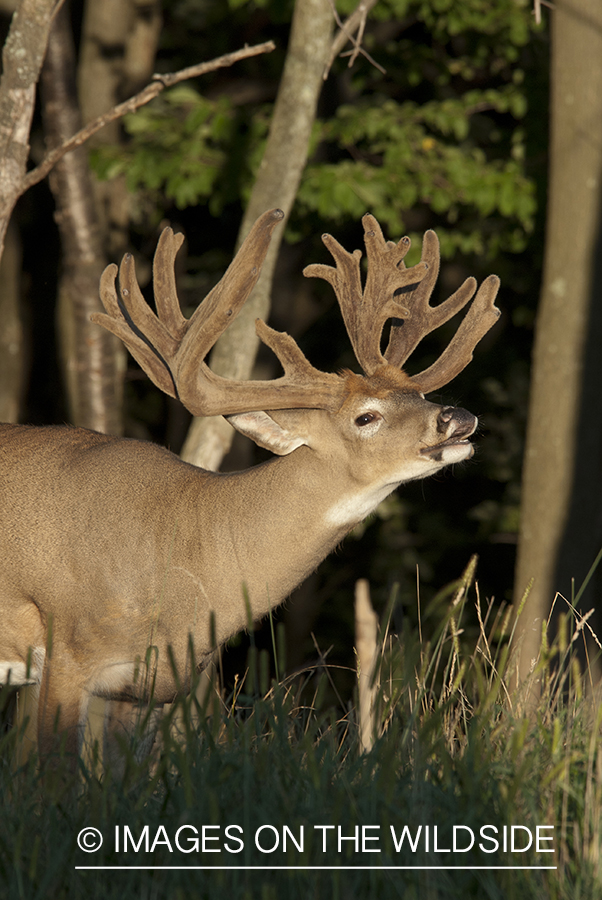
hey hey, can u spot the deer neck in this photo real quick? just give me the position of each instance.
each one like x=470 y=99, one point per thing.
x=269 y=527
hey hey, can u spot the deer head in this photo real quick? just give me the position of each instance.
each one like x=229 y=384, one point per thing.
x=172 y=350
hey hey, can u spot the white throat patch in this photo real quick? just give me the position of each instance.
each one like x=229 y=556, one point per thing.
x=353 y=508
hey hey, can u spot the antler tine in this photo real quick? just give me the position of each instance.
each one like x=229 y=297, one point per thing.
x=226 y=299
x=481 y=316
x=366 y=311
x=152 y=340
x=131 y=334
x=423 y=318
x=164 y=284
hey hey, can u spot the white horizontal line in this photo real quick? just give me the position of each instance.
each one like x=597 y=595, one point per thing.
x=321 y=868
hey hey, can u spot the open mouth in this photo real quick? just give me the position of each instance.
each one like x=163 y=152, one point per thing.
x=453 y=441
x=459 y=425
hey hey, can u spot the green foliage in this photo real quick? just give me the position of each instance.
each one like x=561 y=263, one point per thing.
x=454 y=151
x=506 y=19
x=408 y=155
x=178 y=146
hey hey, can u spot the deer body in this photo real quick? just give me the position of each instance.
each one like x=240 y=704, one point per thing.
x=111 y=546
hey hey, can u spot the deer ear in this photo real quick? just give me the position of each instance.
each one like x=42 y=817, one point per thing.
x=266 y=432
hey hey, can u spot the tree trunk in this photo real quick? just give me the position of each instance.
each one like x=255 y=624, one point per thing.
x=116 y=58
x=561 y=501
x=276 y=185
x=22 y=59
x=90 y=356
x=12 y=363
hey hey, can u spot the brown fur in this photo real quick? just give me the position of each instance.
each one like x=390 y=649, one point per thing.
x=384 y=381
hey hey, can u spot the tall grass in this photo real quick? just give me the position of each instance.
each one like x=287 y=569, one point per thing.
x=453 y=745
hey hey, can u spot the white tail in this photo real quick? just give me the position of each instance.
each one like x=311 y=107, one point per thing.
x=111 y=546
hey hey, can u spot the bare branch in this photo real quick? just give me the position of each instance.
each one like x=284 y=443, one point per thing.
x=537 y=4
x=58 y=7
x=152 y=90
x=355 y=22
x=353 y=54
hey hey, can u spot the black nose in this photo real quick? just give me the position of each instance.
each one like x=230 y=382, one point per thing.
x=456 y=421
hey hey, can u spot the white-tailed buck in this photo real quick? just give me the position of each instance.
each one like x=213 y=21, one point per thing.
x=109 y=546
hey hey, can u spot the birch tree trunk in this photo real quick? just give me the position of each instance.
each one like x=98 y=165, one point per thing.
x=116 y=58
x=90 y=357
x=276 y=186
x=562 y=485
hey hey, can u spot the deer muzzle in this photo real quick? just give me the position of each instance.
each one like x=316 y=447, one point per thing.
x=455 y=425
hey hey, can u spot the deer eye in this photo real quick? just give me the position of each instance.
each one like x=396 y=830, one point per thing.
x=365 y=419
